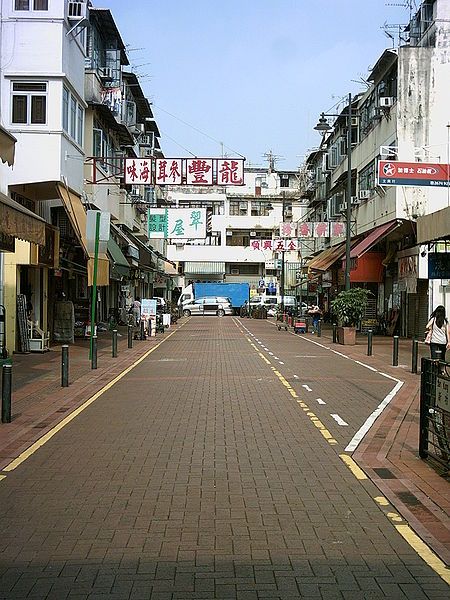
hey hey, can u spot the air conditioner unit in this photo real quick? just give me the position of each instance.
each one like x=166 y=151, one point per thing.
x=364 y=194
x=386 y=101
x=146 y=139
x=135 y=190
x=288 y=212
x=355 y=200
x=284 y=176
x=354 y=121
x=243 y=205
x=76 y=10
x=106 y=73
x=252 y=233
x=234 y=271
x=264 y=184
x=148 y=152
x=229 y=233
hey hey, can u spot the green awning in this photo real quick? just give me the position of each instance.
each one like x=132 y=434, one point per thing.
x=119 y=264
x=204 y=268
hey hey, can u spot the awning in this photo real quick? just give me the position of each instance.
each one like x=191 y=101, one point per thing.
x=77 y=216
x=7 y=146
x=204 y=268
x=324 y=260
x=435 y=226
x=120 y=265
x=372 y=238
x=18 y=221
x=169 y=269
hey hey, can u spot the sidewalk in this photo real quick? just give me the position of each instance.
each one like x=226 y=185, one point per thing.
x=388 y=453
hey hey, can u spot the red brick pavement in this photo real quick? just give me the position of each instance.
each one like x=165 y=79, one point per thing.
x=416 y=490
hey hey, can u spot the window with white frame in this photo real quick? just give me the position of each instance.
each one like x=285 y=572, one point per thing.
x=29 y=103
x=73 y=116
x=30 y=4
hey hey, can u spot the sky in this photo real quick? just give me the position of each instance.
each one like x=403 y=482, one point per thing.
x=246 y=77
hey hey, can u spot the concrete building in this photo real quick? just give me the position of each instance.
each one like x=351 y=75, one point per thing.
x=402 y=116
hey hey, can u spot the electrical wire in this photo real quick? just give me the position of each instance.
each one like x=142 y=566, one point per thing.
x=198 y=130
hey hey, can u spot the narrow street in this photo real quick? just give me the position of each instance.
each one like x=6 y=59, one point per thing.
x=215 y=468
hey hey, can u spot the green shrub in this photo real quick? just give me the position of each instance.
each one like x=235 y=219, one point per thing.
x=350 y=305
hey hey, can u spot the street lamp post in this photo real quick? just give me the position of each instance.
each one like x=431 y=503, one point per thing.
x=283 y=210
x=323 y=126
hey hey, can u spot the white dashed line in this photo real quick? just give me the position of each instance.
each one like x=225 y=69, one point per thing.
x=320 y=401
x=271 y=353
x=307 y=387
x=295 y=376
x=281 y=362
x=339 y=421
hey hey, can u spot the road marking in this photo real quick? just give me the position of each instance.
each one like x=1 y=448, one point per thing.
x=296 y=377
x=307 y=388
x=281 y=362
x=354 y=442
x=339 y=420
x=2 y=477
x=320 y=401
x=45 y=438
x=357 y=472
x=424 y=551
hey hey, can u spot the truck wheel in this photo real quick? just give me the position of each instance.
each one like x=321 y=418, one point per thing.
x=187 y=313
x=220 y=312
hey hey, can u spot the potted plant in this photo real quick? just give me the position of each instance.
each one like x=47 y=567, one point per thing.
x=349 y=308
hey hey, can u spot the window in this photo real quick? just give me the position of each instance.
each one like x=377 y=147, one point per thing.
x=367 y=176
x=29 y=103
x=72 y=116
x=260 y=209
x=25 y=4
x=238 y=208
x=284 y=180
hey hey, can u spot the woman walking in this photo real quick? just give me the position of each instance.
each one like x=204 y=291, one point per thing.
x=438 y=333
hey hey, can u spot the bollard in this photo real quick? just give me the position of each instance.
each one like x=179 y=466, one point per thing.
x=369 y=342
x=65 y=365
x=319 y=328
x=395 y=352
x=334 y=333
x=114 y=343
x=6 y=393
x=130 y=336
x=142 y=331
x=415 y=355
x=94 y=352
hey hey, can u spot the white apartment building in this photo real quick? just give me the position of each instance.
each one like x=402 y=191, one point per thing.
x=402 y=116
x=238 y=216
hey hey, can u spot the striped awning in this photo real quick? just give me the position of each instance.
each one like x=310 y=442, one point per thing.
x=204 y=268
x=19 y=222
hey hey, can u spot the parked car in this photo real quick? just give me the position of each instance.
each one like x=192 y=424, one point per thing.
x=209 y=305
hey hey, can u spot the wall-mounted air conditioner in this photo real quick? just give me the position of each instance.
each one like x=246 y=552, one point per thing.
x=147 y=152
x=252 y=233
x=234 y=271
x=364 y=194
x=106 y=73
x=76 y=10
x=146 y=139
x=135 y=190
x=355 y=200
x=229 y=233
x=284 y=176
x=385 y=101
x=354 y=121
x=243 y=205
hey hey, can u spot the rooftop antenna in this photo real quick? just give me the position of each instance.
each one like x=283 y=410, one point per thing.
x=271 y=158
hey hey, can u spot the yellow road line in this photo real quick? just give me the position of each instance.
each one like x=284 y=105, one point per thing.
x=45 y=438
x=357 y=472
x=424 y=551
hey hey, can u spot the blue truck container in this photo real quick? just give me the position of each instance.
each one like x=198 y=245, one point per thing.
x=238 y=293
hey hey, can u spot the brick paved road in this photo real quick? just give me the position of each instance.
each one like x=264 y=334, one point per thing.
x=201 y=475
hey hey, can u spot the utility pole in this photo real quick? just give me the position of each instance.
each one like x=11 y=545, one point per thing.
x=283 y=210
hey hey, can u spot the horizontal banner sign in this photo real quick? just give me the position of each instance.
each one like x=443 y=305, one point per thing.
x=312 y=229
x=184 y=171
x=394 y=172
x=177 y=223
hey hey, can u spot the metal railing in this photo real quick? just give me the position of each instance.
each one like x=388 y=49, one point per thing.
x=434 y=432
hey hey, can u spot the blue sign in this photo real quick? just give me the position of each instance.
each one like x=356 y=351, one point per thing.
x=261 y=283
x=439 y=265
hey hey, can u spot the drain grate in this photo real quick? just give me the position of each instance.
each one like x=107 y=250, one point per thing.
x=385 y=473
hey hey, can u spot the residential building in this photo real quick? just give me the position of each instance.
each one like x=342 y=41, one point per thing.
x=401 y=116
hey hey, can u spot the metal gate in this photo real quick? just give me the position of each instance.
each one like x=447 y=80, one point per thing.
x=434 y=436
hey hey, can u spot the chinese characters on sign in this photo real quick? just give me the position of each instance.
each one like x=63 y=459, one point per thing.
x=312 y=229
x=177 y=223
x=184 y=171
x=394 y=172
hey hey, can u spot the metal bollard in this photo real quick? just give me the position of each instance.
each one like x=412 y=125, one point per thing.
x=6 y=393
x=369 y=342
x=114 y=343
x=319 y=328
x=395 y=352
x=142 y=331
x=65 y=365
x=94 y=352
x=130 y=336
x=334 y=333
x=415 y=355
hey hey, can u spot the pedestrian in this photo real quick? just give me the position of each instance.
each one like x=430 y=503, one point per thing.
x=315 y=313
x=438 y=333
x=137 y=311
